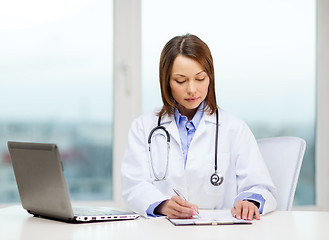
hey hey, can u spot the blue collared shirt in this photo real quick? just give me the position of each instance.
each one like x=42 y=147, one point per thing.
x=187 y=129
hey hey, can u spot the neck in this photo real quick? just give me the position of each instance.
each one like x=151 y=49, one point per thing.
x=189 y=113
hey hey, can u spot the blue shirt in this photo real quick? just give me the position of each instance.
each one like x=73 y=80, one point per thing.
x=186 y=131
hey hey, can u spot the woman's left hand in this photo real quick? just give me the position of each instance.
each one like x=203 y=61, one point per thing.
x=245 y=210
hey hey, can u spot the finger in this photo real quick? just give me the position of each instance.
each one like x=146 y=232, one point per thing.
x=245 y=210
x=180 y=208
x=194 y=207
x=251 y=213
x=186 y=204
x=237 y=209
x=178 y=200
x=257 y=214
x=181 y=213
x=180 y=204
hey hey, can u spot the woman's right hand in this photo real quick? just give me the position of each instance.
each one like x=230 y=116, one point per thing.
x=177 y=207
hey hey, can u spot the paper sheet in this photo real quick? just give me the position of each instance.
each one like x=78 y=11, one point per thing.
x=210 y=217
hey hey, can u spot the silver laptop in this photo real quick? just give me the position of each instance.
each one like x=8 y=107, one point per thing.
x=42 y=188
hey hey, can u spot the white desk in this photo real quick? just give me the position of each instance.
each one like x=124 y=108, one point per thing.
x=16 y=223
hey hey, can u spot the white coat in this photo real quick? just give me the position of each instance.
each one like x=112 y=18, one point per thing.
x=239 y=161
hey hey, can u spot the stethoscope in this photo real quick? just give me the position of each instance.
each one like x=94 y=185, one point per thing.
x=216 y=178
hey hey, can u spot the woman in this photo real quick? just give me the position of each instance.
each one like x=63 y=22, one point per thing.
x=189 y=115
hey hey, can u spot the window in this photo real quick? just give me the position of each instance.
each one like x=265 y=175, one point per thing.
x=264 y=55
x=56 y=86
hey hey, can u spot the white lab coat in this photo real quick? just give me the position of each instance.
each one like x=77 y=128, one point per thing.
x=239 y=160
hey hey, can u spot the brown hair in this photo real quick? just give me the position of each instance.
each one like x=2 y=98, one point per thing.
x=189 y=46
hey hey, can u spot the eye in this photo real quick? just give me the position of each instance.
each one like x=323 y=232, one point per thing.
x=179 y=81
x=200 y=79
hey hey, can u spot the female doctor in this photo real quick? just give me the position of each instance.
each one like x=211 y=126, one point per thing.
x=209 y=157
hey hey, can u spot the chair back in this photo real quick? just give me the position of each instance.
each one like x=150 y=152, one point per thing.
x=283 y=157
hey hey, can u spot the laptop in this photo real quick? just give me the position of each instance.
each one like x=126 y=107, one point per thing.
x=42 y=187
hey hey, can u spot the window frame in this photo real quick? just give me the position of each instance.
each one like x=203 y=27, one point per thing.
x=126 y=80
x=322 y=131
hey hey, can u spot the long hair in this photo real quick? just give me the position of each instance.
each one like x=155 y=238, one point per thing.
x=192 y=47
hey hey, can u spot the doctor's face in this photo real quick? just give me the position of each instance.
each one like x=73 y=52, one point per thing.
x=189 y=85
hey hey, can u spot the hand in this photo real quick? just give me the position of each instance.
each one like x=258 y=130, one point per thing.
x=245 y=210
x=176 y=207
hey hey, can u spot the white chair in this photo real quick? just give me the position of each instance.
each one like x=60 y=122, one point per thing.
x=283 y=157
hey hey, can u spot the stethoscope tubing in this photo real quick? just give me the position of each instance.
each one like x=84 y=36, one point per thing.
x=216 y=178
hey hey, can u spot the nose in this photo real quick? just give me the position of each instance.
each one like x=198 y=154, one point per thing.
x=191 y=87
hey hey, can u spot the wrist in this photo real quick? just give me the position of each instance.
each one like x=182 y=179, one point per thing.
x=159 y=210
x=257 y=204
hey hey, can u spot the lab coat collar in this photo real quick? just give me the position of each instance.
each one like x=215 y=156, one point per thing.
x=211 y=118
x=166 y=118
x=169 y=122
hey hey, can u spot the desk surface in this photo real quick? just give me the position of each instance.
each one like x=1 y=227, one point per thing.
x=16 y=223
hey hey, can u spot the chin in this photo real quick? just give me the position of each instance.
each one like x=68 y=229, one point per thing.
x=192 y=106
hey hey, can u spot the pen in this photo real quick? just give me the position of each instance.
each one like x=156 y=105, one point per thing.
x=181 y=195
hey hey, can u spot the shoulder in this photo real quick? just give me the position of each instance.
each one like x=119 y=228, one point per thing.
x=237 y=129
x=227 y=121
x=146 y=120
x=227 y=118
x=148 y=116
x=233 y=124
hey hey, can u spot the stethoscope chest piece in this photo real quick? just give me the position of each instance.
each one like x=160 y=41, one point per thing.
x=216 y=179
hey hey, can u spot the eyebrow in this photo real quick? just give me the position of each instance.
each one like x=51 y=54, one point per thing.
x=181 y=75
x=199 y=72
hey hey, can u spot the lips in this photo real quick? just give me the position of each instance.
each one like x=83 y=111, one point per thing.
x=191 y=99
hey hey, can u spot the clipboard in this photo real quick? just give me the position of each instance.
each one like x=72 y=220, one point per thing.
x=210 y=217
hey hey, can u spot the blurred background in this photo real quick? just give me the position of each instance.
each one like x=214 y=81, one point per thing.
x=57 y=77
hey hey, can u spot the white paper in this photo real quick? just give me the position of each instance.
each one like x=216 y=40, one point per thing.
x=210 y=217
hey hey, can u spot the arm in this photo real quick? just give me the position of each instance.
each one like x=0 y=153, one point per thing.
x=253 y=179
x=137 y=188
